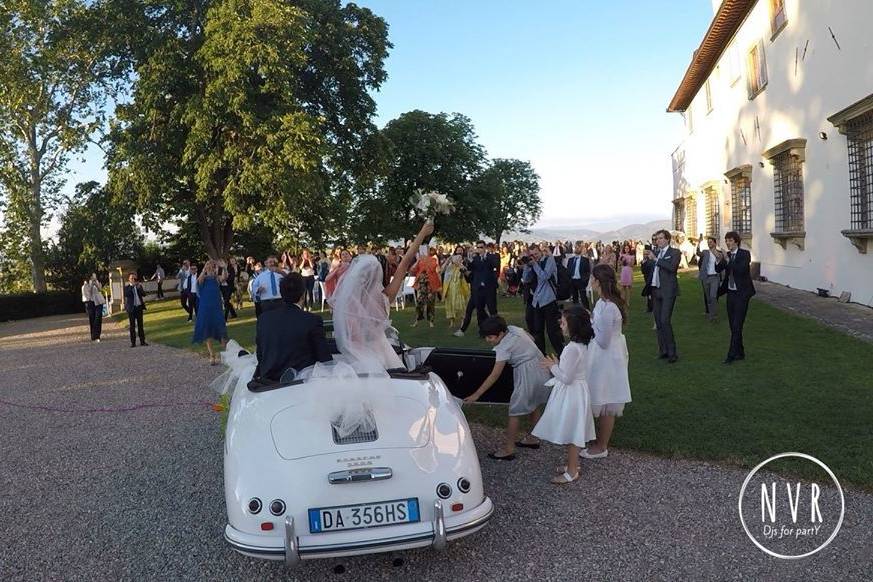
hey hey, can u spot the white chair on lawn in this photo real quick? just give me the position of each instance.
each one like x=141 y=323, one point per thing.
x=323 y=292
x=409 y=288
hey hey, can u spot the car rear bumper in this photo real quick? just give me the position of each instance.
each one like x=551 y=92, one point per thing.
x=292 y=547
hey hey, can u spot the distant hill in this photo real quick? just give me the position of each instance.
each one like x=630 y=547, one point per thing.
x=563 y=233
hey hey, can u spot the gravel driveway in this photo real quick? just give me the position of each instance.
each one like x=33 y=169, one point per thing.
x=95 y=484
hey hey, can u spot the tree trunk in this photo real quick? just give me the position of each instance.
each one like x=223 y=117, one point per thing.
x=216 y=231
x=34 y=220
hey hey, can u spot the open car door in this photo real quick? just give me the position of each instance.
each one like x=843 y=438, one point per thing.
x=464 y=369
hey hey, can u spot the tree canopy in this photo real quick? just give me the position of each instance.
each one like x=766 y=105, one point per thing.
x=95 y=230
x=56 y=72
x=250 y=112
x=422 y=152
x=508 y=192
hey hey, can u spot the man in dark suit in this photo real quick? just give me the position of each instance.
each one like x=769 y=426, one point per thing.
x=287 y=336
x=665 y=289
x=482 y=269
x=738 y=287
x=134 y=305
x=579 y=268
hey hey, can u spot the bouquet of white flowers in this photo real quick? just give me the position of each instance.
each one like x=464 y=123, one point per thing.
x=430 y=204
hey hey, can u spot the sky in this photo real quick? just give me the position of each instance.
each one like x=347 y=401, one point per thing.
x=577 y=87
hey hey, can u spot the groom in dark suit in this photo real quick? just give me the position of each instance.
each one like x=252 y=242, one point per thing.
x=287 y=336
x=665 y=289
x=738 y=287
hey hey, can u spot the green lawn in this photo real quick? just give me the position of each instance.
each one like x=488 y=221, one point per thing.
x=804 y=387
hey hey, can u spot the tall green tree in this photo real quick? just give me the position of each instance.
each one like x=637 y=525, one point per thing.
x=56 y=71
x=427 y=152
x=509 y=199
x=248 y=113
x=96 y=229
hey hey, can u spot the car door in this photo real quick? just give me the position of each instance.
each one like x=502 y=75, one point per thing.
x=464 y=369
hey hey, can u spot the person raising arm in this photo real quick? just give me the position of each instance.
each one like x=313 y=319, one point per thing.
x=400 y=274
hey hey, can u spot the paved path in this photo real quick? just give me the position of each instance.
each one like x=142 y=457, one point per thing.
x=96 y=483
x=850 y=318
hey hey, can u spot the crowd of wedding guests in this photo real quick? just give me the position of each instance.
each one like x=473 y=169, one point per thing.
x=557 y=282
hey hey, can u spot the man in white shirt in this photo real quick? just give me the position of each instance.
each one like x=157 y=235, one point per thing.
x=159 y=275
x=665 y=289
x=579 y=267
x=193 y=290
x=707 y=259
x=265 y=287
x=184 y=285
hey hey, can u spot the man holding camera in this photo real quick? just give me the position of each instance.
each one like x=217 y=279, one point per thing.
x=541 y=275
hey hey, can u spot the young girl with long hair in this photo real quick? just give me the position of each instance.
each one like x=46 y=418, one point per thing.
x=607 y=375
x=567 y=418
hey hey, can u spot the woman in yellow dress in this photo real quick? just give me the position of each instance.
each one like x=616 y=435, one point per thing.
x=456 y=289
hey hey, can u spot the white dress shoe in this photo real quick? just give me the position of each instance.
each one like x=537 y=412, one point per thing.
x=586 y=455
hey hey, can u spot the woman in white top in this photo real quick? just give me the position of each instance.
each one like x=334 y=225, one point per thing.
x=92 y=297
x=607 y=374
x=567 y=418
x=307 y=271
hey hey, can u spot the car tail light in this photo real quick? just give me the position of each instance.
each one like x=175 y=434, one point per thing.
x=444 y=490
x=277 y=507
x=464 y=485
x=267 y=526
x=254 y=506
x=457 y=506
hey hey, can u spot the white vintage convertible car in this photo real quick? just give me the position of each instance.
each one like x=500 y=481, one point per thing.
x=295 y=489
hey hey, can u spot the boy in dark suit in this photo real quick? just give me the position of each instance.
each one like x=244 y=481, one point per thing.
x=738 y=287
x=665 y=289
x=287 y=336
x=134 y=305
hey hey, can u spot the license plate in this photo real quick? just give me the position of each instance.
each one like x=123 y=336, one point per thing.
x=346 y=517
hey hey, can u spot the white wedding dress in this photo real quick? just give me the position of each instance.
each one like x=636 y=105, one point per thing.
x=360 y=322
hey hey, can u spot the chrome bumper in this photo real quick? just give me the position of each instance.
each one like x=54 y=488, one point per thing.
x=437 y=538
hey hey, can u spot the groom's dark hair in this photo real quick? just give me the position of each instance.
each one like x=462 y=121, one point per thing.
x=292 y=287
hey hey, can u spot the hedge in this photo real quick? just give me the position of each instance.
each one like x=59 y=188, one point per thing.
x=28 y=305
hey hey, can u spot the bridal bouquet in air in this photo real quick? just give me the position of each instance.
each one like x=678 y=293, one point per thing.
x=430 y=204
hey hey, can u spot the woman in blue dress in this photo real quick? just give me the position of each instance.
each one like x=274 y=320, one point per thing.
x=210 y=325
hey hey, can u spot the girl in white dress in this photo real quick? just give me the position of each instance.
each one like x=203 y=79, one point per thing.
x=607 y=374
x=567 y=418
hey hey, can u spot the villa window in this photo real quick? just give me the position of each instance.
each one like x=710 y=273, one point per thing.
x=856 y=123
x=756 y=70
x=777 y=17
x=741 y=200
x=690 y=212
x=708 y=97
x=678 y=214
x=859 y=133
x=787 y=159
x=713 y=216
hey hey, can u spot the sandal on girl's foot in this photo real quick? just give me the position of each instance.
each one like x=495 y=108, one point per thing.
x=509 y=457
x=565 y=478
x=601 y=455
x=561 y=469
x=525 y=445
